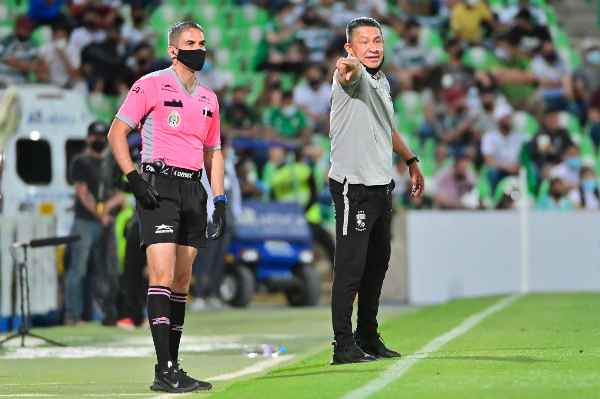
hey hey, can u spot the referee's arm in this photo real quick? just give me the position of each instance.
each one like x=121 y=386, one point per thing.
x=416 y=177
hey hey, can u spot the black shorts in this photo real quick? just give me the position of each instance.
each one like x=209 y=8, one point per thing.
x=181 y=215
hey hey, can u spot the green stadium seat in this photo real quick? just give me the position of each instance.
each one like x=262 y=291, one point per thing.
x=410 y=111
x=480 y=59
x=484 y=187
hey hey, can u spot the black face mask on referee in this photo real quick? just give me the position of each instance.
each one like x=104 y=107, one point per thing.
x=193 y=59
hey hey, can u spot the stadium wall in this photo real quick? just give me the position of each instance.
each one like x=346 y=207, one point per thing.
x=438 y=256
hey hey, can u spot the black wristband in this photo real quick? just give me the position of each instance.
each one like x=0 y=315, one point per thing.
x=412 y=160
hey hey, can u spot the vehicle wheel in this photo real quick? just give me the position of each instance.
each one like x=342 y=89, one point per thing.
x=308 y=292
x=237 y=286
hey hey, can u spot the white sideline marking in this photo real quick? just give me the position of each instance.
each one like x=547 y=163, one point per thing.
x=28 y=395
x=252 y=369
x=400 y=368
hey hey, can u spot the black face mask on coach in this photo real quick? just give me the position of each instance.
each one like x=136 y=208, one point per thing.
x=193 y=59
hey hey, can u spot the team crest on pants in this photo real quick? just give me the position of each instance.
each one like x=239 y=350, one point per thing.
x=361 y=221
x=174 y=119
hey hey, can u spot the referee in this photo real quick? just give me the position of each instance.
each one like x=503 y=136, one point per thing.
x=179 y=124
x=363 y=139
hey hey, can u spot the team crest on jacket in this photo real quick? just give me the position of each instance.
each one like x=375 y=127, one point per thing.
x=361 y=221
x=174 y=119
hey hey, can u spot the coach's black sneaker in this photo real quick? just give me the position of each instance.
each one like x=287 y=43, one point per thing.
x=202 y=385
x=170 y=380
x=374 y=346
x=349 y=353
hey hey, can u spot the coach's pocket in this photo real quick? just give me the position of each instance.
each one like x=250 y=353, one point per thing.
x=357 y=193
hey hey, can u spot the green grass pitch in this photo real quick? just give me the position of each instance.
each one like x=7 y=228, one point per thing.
x=540 y=346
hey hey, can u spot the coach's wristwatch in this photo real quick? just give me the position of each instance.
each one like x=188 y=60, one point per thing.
x=412 y=160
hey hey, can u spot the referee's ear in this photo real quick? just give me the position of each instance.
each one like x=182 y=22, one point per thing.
x=172 y=50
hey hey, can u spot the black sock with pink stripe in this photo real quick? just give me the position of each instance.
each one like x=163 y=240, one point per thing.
x=178 y=301
x=159 y=316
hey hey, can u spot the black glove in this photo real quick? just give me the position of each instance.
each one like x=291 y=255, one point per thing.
x=143 y=191
x=218 y=222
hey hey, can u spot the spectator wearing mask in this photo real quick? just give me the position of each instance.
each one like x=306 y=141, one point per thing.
x=501 y=148
x=288 y=121
x=508 y=14
x=89 y=32
x=143 y=61
x=62 y=61
x=528 y=35
x=315 y=33
x=240 y=118
x=586 y=195
x=583 y=89
x=137 y=32
x=549 y=71
x=547 y=147
x=455 y=72
x=589 y=72
x=456 y=127
x=468 y=20
x=556 y=199
x=103 y=62
x=492 y=104
x=570 y=168
x=18 y=55
x=412 y=59
x=313 y=97
x=453 y=183
x=96 y=202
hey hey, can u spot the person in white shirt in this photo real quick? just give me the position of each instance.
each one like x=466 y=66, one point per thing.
x=62 y=60
x=501 y=148
x=313 y=96
x=549 y=69
x=138 y=31
x=90 y=32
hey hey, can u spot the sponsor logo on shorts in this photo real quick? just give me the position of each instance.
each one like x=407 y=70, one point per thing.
x=185 y=175
x=361 y=221
x=163 y=229
x=174 y=119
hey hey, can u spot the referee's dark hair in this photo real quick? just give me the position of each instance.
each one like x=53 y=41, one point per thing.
x=358 y=22
x=176 y=30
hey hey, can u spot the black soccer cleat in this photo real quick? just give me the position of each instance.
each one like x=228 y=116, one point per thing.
x=202 y=385
x=349 y=353
x=374 y=346
x=170 y=380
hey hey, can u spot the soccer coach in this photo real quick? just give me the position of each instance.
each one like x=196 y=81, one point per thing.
x=363 y=139
x=179 y=124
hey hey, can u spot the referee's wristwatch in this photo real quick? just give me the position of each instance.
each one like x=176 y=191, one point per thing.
x=412 y=160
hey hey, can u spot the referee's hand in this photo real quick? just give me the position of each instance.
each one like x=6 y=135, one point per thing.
x=416 y=179
x=346 y=67
x=143 y=191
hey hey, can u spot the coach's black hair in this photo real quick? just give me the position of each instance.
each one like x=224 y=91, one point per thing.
x=179 y=27
x=361 y=21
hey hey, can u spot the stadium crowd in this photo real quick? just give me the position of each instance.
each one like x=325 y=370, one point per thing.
x=480 y=89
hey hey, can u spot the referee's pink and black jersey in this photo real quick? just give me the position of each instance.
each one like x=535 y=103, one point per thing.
x=176 y=126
